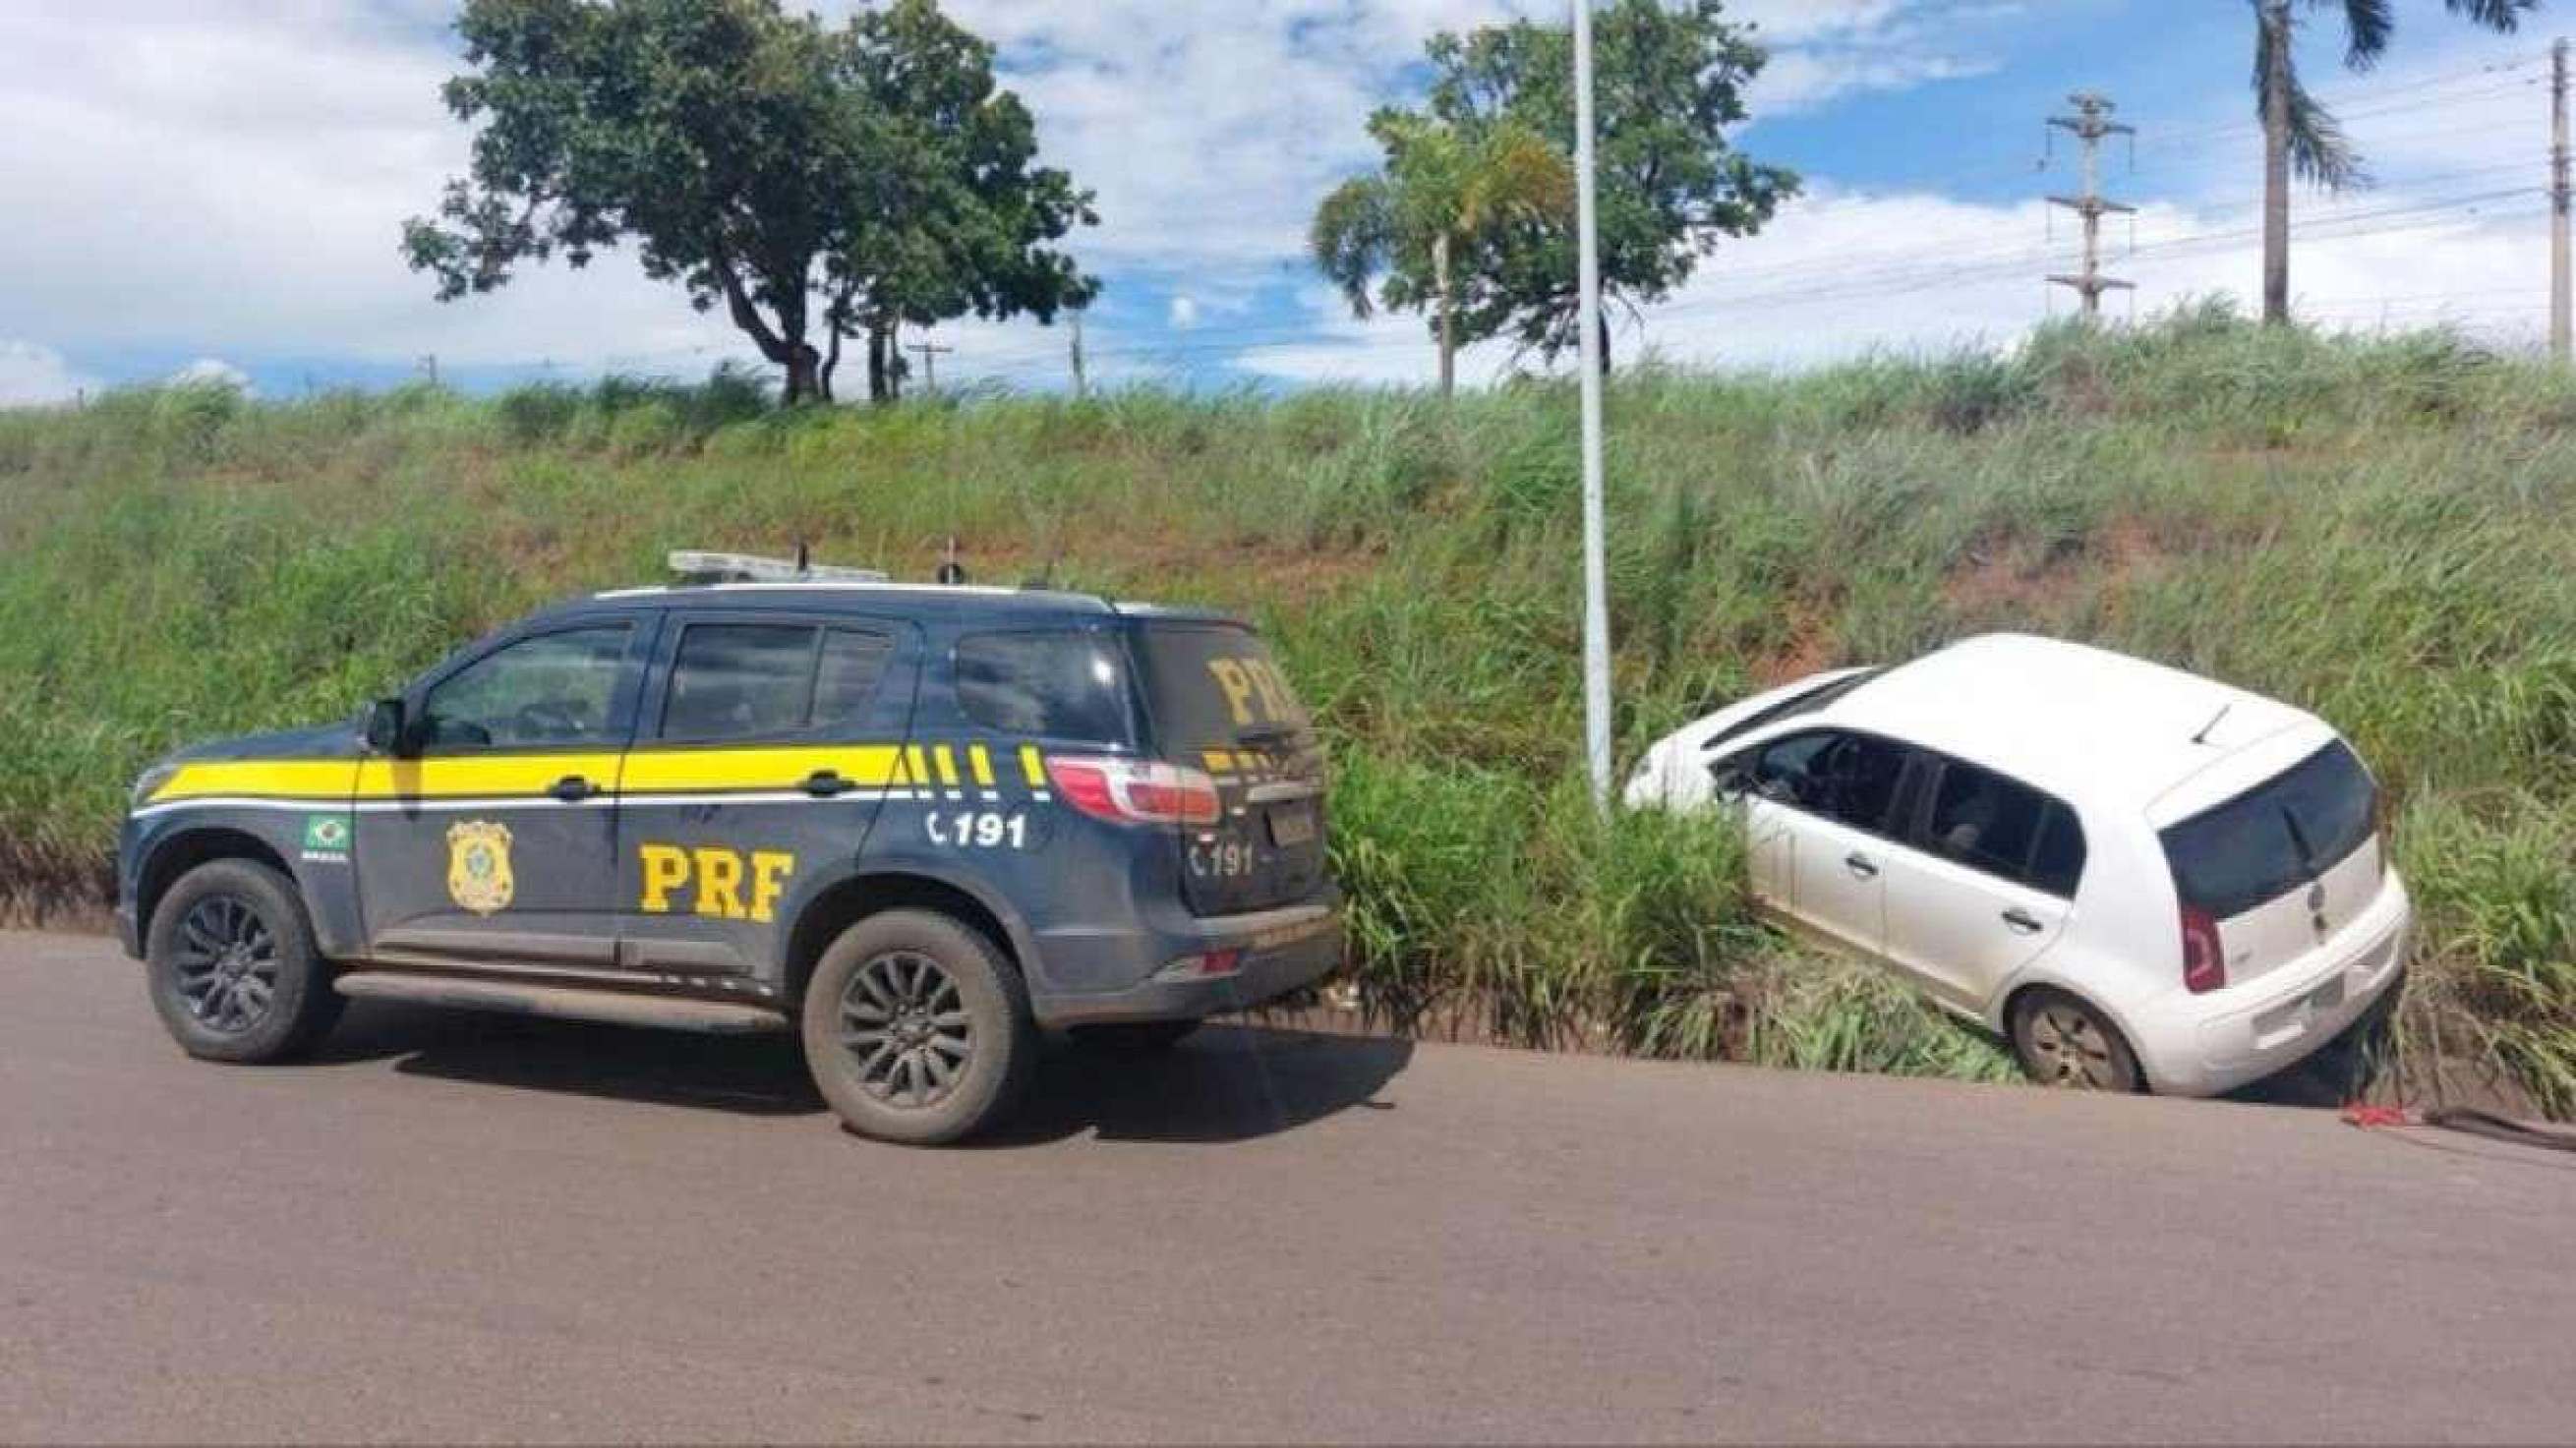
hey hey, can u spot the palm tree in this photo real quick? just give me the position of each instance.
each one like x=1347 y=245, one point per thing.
x=1439 y=189
x=2300 y=135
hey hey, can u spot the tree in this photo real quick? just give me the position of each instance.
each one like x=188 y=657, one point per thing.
x=1669 y=81
x=1439 y=191
x=962 y=218
x=749 y=156
x=2300 y=135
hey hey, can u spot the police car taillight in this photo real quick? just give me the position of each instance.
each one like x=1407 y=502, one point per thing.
x=1135 y=791
x=1213 y=965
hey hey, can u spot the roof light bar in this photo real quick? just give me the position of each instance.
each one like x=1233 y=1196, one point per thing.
x=694 y=566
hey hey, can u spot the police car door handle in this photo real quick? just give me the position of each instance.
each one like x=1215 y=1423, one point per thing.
x=2022 y=922
x=573 y=789
x=825 y=783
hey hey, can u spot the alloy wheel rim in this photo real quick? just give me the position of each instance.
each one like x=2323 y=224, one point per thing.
x=2072 y=1050
x=227 y=965
x=907 y=1029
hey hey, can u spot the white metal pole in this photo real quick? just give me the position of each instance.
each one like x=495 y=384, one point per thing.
x=2559 y=335
x=1596 y=581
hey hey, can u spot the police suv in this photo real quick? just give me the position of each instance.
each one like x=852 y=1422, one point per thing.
x=918 y=823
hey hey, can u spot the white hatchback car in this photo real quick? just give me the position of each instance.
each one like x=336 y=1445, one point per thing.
x=2143 y=879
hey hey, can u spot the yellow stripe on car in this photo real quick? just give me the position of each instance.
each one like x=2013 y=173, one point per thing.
x=467 y=776
x=682 y=771
x=642 y=771
x=327 y=779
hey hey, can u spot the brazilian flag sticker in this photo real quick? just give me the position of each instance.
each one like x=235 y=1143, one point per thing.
x=326 y=834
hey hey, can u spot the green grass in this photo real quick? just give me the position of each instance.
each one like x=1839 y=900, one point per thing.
x=2381 y=530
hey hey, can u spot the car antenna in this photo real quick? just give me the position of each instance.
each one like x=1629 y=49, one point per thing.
x=804 y=556
x=2203 y=736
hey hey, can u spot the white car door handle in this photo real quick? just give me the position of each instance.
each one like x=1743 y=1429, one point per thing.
x=1861 y=865
x=2022 y=922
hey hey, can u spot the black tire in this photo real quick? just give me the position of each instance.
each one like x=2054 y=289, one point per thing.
x=1133 y=1038
x=232 y=967
x=2063 y=1040
x=877 y=1052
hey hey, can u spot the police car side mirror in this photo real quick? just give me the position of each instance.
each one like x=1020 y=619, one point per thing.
x=388 y=728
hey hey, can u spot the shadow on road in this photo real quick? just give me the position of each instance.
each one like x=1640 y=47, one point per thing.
x=753 y=1075
x=1227 y=1083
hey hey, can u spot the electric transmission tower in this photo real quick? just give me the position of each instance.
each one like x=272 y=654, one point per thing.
x=2090 y=123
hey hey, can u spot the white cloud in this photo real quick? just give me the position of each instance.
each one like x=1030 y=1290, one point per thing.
x=231 y=177
x=2456 y=234
x=211 y=372
x=1841 y=274
x=228 y=179
x=235 y=179
x=32 y=376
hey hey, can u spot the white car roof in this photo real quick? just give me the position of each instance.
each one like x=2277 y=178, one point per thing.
x=2085 y=724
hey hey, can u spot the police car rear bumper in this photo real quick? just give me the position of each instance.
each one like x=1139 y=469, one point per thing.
x=1273 y=952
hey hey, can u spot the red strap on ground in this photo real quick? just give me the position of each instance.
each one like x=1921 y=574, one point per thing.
x=2367 y=1116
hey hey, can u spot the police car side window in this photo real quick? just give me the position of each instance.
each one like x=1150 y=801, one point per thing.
x=740 y=680
x=854 y=663
x=1059 y=684
x=550 y=689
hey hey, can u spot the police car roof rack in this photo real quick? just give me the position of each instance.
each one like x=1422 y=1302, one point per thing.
x=696 y=567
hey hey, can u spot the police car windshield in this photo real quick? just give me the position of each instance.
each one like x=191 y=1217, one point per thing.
x=1215 y=684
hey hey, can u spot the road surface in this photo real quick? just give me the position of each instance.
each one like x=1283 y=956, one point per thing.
x=466 y=1228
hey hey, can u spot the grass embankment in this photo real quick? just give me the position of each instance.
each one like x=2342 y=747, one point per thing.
x=2382 y=531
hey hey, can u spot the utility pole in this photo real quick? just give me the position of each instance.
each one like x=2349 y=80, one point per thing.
x=1596 y=575
x=429 y=367
x=1081 y=383
x=2090 y=123
x=930 y=352
x=2558 y=288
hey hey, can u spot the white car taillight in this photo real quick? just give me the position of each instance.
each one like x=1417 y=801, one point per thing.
x=2204 y=959
x=1135 y=791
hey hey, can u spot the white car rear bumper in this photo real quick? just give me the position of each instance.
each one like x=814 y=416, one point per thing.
x=2205 y=1045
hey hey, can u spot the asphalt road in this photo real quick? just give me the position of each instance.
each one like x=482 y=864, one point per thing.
x=456 y=1227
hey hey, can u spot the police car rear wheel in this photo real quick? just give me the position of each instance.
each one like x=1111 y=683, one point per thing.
x=232 y=967
x=917 y=1029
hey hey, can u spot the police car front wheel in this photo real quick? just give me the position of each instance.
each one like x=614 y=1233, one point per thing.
x=917 y=1029
x=232 y=965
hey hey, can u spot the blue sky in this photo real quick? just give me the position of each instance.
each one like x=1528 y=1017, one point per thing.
x=217 y=187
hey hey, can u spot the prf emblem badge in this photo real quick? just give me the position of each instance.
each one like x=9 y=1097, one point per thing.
x=478 y=866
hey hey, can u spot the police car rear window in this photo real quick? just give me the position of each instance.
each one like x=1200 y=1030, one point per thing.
x=1215 y=685
x=1046 y=684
